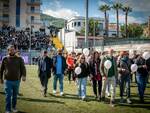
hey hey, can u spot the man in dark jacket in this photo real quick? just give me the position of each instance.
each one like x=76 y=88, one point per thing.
x=141 y=76
x=124 y=76
x=13 y=69
x=59 y=67
x=44 y=71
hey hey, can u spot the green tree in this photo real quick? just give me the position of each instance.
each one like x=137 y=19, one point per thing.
x=127 y=10
x=105 y=8
x=93 y=26
x=134 y=30
x=117 y=7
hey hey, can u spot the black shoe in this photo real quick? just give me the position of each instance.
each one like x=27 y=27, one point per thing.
x=142 y=101
x=99 y=99
x=103 y=99
x=95 y=97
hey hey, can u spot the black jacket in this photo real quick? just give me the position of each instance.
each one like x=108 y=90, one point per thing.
x=85 y=70
x=12 y=68
x=49 y=65
x=92 y=67
x=140 y=62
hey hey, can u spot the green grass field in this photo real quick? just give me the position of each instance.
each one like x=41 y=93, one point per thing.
x=33 y=102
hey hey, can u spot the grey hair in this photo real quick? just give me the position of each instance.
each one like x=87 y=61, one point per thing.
x=10 y=46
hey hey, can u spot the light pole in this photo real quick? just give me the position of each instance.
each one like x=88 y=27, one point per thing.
x=64 y=33
x=30 y=45
x=86 y=23
x=94 y=35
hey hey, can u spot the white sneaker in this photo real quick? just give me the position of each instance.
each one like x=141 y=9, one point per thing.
x=54 y=91
x=7 y=112
x=129 y=101
x=61 y=93
x=14 y=110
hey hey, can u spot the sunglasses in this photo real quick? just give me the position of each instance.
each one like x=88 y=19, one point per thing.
x=82 y=58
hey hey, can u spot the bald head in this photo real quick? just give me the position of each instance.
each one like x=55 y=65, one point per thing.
x=110 y=52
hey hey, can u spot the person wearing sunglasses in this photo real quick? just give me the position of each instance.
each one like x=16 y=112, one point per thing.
x=82 y=77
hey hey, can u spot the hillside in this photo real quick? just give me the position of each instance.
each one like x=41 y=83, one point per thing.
x=57 y=22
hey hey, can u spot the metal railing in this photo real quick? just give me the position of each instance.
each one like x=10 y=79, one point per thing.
x=38 y=2
x=35 y=21
x=126 y=41
x=35 y=11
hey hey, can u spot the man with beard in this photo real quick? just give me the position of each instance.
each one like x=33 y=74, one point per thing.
x=13 y=69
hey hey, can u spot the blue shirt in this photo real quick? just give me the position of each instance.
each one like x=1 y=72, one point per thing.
x=59 y=65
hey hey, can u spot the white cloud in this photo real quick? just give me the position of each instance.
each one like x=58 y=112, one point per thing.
x=56 y=9
x=61 y=13
x=131 y=19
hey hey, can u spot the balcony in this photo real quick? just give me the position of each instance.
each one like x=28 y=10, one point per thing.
x=35 y=21
x=4 y=19
x=34 y=2
x=36 y=11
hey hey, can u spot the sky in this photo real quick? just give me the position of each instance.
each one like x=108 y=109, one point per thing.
x=68 y=8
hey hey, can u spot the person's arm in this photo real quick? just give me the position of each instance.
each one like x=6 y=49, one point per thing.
x=2 y=68
x=91 y=68
x=140 y=66
x=102 y=67
x=23 y=70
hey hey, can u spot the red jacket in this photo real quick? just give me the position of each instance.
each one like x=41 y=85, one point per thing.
x=70 y=62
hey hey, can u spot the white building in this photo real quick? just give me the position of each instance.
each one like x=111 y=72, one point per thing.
x=21 y=13
x=113 y=30
x=76 y=23
x=73 y=42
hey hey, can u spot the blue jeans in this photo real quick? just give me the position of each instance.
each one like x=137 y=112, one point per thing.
x=61 y=78
x=124 y=82
x=82 y=87
x=141 y=82
x=11 y=91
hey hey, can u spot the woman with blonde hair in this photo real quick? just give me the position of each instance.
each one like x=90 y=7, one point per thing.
x=82 y=77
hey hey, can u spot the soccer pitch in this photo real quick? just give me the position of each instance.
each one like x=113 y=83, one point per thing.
x=32 y=100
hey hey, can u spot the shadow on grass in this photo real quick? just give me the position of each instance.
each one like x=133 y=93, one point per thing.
x=21 y=112
x=40 y=100
x=137 y=104
x=3 y=93
x=145 y=106
x=72 y=96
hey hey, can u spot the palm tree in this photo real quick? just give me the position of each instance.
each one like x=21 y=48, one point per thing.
x=117 y=6
x=127 y=10
x=105 y=8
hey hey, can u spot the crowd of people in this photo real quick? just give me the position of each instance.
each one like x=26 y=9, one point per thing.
x=104 y=80
x=21 y=38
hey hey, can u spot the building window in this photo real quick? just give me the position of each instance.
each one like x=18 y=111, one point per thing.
x=32 y=19
x=75 y=23
x=72 y=24
x=79 y=23
x=101 y=26
x=5 y=5
x=32 y=9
